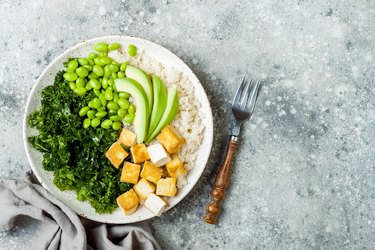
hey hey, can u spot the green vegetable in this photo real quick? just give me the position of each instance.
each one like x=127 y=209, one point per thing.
x=113 y=46
x=80 y=82
x=95 y=84
x=132 y=50
x=106 y=124
x=83 y=61
x=92 y=55
x=121 y=112
x=84 y=111
x=80 y=91
x=101 y=114
x=75 y=154
x=123 y=103
x=129 y=118
x=123 y=66
x=98 y=70
x=86 y=123
x=112 y=105
x=95 y=122
x=82 y=71
x=91 y=114
x=70 y=76
x=72 y=65
x=116 y=125
x=101 y=47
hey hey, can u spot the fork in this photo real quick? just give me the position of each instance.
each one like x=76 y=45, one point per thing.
x=242 y=109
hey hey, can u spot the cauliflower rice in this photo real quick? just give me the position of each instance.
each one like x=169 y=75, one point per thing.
x=189 y=120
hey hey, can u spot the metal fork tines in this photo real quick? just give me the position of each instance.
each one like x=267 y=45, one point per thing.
x=244 y=103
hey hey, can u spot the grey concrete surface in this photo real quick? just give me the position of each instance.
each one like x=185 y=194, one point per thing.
x=304 y=175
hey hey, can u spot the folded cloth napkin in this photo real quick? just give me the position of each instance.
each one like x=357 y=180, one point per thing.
x=60 y=227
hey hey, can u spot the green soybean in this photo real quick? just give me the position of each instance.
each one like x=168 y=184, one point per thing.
x=96 y=103
x=92 y=55
x=72 y=85
x=120 y=74
x=123 y=66
x=112 y=112
x=103 y=100
x=115 y=118
x=70 y=76
x=83 y=61
x=83 y=111
x=107 y=71
x=98 y=61
x=124 y=95
x=113 y=68
x=112 y=105
x=80 y=91
x=101 y=114
x=131 y=109
x=101 y=47
x=129 y=118
x=108 y=94
x=88 y=86
x=72 y=65
x=86 y=123
x=121 y=112
x=111 y=81
x=90 y=61
x=115 y=63
x=97 y=92
x=106 y=124
x=105 y=82
x=95 y=122
x=101 y=108
x=113 y=46
x=115 y=97
x=88 y=67
x=91 y=114
x=116 y=125
x=132 y=50
x=82 y=71
x=123 y=103
x=102 y=54
x=95 y=84
x=80 y=82
x=105 y=60
x=114 y=75
x=98 y=70
x=92 y=75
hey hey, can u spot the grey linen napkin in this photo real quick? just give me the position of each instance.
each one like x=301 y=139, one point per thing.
x=60 y=227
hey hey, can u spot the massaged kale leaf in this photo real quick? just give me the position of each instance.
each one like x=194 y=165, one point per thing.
x=75 y=154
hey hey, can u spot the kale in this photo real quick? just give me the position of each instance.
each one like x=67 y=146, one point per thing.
x=75 y=154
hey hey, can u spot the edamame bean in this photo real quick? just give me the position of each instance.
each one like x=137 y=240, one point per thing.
x=104 y=60
x=132 y=50
x=97 y=92
x=121 y=112
x=88 y=67
x=112 y=112
x=80 y=91
x=107 y=71
x=81 y=82
x=92 y=75
x=91 y=114
x=115 y=97
x=105 y=82
x=72 y=85
x=121 y=74
x=111 y=81
x=83 y=61
x=70 y=76
x=84 y=111
x=98 y=61
x=86 y=123
x=108 y=94
x=115 y=118
x=90 y=61
x=131 y=109
x=123 y=66
x=82 y=71
x=116 y=125
x=114 y=76
x=123 y=103
x=114 y=87
x=98 y=70
x=106 y=124
x=92 y=55
x=102 y=54
x=101 y=109
x=124 y=95
x=96 y=103
x=129 y=118
x=101 y=114
x=95 y=84
x=101 y=47
x=112 y=105
x=103 y=100
x=113 y=46
x=115 y=63
x=72 y=65
x=113 y=68
x=88 y=86
x=95 y=122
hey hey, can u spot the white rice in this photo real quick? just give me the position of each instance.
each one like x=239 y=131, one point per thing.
x=189 y=120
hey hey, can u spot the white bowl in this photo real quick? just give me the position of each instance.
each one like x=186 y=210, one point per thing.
x=153 y=50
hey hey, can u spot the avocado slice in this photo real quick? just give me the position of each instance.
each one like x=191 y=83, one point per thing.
x=142 y=111
x=160 y=103
x=142 y=78
x=170 y=112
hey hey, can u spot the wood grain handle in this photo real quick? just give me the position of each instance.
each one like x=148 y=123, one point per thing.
x=221 y=184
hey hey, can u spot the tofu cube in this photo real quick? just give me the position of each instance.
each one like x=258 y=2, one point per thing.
x=139 y=153
x=158 y=155
x=130 y=173
x=155 y=204
x=171 y=139
x=127 y=138
x=143 y=188
x=128 y=202
x=175 y=167
x=116 y=154
x=151 y=172
x=166 y=187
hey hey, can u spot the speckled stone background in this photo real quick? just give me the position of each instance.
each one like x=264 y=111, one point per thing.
x=304 y=176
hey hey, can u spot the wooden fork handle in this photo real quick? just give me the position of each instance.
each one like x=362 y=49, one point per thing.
x=221 y=183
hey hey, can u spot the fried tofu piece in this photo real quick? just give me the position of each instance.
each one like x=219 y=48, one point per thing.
x=151 y=172
x=139 y=153
x=116 y=154
x=155 y=204
x=158 y=155
x=143 y=188
x=127 y=138
x=175 y=167
x=130 y=173
x=171 y=139
x=166 y=187
x=128 y=202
